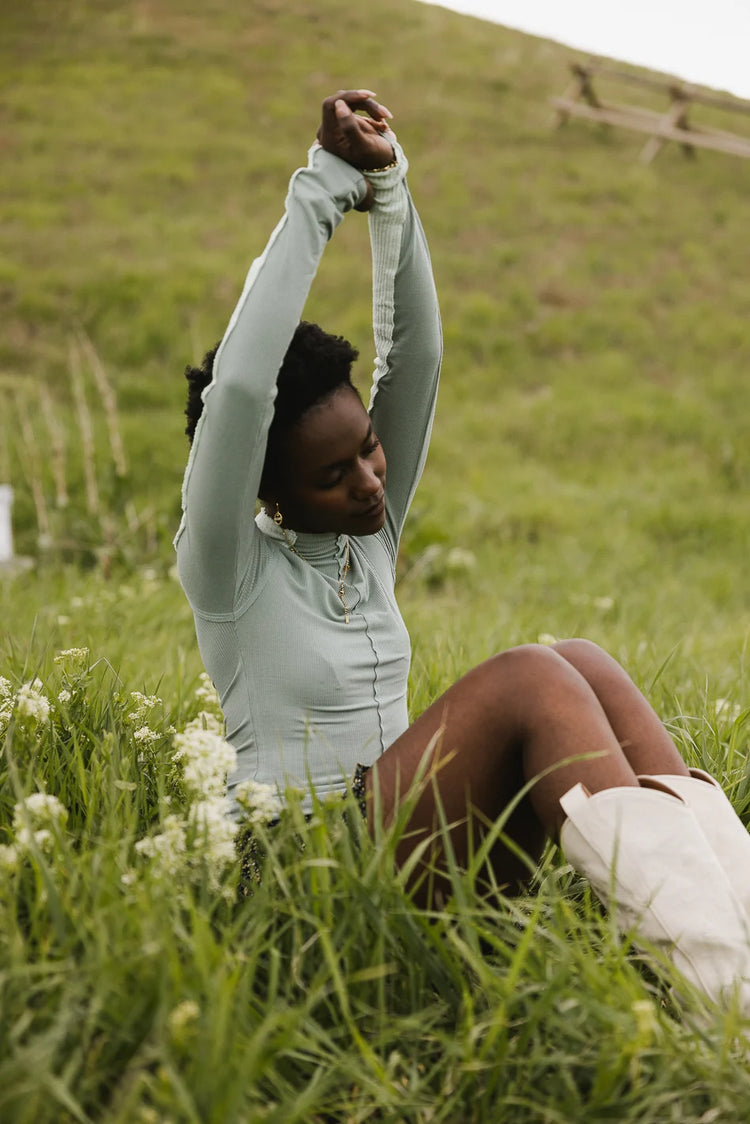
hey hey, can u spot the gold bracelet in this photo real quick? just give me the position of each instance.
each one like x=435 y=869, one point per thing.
x=385 y=168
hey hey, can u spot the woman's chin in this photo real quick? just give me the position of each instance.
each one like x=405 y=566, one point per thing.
x=371 y=522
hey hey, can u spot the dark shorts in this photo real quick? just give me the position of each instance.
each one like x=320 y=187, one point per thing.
x=359 y=788
x=251 y=852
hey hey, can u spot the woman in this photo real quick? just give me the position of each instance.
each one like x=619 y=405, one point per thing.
x=299 y=629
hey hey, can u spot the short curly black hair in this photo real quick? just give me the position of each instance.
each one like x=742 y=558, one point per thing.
x=315 y=366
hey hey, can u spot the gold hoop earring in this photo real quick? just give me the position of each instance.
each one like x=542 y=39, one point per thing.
x=278 y=517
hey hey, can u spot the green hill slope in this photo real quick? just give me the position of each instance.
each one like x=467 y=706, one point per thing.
x=591 y=441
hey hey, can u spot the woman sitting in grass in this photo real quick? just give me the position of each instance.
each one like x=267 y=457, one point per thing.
x=299 y=629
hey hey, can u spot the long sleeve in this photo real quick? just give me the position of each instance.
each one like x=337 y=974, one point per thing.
x=408 y=340
x=223 y=474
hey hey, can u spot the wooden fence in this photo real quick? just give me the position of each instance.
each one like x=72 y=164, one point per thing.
x=581 y=100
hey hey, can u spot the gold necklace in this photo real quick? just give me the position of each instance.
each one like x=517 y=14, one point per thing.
x=347 y=567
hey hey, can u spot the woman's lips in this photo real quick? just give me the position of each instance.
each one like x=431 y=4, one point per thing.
x=374 y=509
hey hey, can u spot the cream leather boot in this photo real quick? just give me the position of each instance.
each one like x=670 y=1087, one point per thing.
x=720 y=824
x=646 y=857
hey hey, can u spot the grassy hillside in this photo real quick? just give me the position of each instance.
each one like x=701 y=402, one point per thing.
x=591 y=441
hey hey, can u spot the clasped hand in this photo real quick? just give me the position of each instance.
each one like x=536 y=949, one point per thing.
x=361 y=141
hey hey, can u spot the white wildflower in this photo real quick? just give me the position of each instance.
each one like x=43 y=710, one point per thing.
x=35 y=820
x=182 y=1016
x=167 y=849
x=144 y=735
x=64 y=697
x=260 y=802
x=546 y=638
x=141 y=706
x=604 y=603
x=62 y=620
x=144 y=702
x=31 y=704
x=41 y=838
x=8 y=858
x=129 y=878
x=42 y=807
x=214 y=834
x=6 y=702
x=73 y=660
x=206 y=759
x=206 y=693
x=205 y=720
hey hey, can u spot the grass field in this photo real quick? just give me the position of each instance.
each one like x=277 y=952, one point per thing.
x=588 y=476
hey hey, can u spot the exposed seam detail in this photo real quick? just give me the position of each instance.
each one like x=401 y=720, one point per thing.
x=375 y=694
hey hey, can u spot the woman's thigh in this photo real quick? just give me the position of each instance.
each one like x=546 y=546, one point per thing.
x=526 y=714
x=456 y=754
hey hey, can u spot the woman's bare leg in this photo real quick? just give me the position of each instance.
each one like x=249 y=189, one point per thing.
x=510 y=719
x=637 y=727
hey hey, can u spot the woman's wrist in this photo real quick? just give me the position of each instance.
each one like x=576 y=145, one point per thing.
x=386 y=182
x=384 y=167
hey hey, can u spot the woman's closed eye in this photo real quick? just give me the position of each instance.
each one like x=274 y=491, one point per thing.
x=332 y=478
x=335 y=473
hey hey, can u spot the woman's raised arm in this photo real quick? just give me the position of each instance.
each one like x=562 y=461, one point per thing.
x=408 y=338
x=221 y=481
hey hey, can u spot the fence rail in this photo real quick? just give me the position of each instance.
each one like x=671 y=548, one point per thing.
x=582 y=100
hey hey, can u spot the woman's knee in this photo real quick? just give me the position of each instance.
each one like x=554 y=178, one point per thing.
x=530 y=676
x=578 y=647
x=592 y=662
x=532 y=662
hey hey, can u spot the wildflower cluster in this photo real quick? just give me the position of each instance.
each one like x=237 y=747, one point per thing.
x=37 y=821
x=140 y=708
x=6 y=702
x=36 y=818
x=206 y=759
x=75 y=668
x=32 y=705
x=168 y=848
x=207 y=696
x=202 y=839
x=260 y=803
x=73 y=661
x=147 y=729
x=181 y=775
x=210 y=716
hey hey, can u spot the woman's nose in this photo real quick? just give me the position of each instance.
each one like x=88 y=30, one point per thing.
x=368 y=482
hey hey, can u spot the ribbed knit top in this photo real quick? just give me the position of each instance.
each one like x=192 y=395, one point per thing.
x=305 y=695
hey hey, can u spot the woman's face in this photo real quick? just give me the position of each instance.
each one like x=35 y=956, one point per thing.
x=335 y=478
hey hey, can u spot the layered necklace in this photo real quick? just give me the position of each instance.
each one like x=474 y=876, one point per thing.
x=344 y=572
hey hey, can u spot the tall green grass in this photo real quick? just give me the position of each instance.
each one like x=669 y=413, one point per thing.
x=134 y=990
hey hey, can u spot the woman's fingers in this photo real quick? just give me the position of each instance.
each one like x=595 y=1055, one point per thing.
x=355 y=126
x=358 y=100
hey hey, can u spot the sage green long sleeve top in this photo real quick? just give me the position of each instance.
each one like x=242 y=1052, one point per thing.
x=306 y=695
